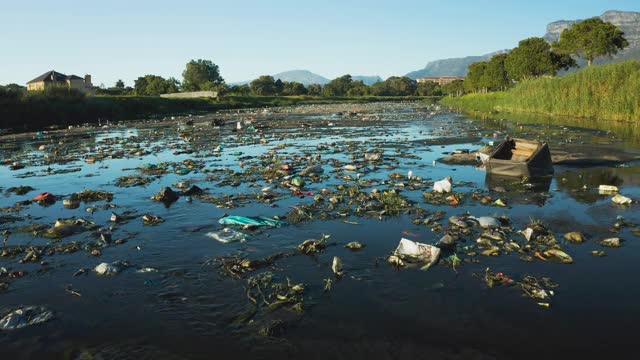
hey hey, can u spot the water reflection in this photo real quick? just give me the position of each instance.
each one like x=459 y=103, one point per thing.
x=582 y=185
x=628 y=132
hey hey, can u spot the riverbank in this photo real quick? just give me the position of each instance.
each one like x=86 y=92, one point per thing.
x=31 y=113
x=606 y=92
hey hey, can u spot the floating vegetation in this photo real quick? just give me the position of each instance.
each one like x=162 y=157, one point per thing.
x=312 y=246
x=92 y=195
x=133 y=180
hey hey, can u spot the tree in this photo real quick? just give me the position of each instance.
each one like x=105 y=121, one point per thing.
x=278 y=87
x=591 y=39
x=153 y=85
x=394 y=86
x=401 y=86
x=314 y=89
x=14 y=88
x=200 y=72
x=533 y=58
x=496 y=76
x=428 y=88
x=454 y=88
x=476 y=79
x=338 y=86
x=242 y=90
x=292 y=88
x=264 y=85
x=358 y=88
x=119 y=84
x=172 y=85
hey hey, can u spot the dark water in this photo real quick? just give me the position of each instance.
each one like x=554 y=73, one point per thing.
x=189 y=308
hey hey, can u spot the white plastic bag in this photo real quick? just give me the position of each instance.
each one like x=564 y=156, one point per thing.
x=443 y=186
x=417 y=251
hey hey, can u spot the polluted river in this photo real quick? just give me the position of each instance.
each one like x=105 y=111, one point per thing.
x=275 y=234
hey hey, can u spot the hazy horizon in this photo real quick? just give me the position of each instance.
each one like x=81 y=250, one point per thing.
x=124 y=40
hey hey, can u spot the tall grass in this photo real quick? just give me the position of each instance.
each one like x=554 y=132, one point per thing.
x=608 y=92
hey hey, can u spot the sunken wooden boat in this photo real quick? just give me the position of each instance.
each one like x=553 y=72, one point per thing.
x=519 y=157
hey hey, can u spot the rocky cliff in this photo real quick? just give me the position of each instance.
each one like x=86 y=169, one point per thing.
x=627 y=21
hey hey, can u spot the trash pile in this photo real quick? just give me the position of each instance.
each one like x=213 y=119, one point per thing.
x=350 y=166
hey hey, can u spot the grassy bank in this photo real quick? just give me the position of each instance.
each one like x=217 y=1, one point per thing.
x=607 y=92
x=35 y=111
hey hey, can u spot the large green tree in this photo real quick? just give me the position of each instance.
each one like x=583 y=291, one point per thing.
x=591 y=39
x=243 y=90
x=292 y=88
x=358 y=88
x=264 y=85
x=454 y=88
x=533 y=58
x=476 y=78
x=314 y=89
x=338 y=86
x=428 y=88
x=395 y=86
x=153 y=85
x=496 y=76
x=119 y=84
x=201 y=75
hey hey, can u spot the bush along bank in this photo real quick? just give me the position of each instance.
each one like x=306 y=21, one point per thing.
x=36 y=110
x=606 y=92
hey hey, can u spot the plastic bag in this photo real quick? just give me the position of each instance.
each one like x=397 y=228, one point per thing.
x=443 y=186
x=227 y=235
x=250 y=220
x=411 y=250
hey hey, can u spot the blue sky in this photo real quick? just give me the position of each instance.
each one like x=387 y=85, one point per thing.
x=118 y=39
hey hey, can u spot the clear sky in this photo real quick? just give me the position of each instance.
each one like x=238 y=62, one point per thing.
x=124 y=39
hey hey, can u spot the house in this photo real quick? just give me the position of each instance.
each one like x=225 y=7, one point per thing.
x=440 y=80
x=54 y=78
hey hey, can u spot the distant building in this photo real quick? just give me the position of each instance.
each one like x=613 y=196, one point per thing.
x=440 y=80
x=54 y=78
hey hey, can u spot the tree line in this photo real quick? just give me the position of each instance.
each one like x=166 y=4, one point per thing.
x=266 y=85
x=204 y=75
x=339 y=87
x=534 y=57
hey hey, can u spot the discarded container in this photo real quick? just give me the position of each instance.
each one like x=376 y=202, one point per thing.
x=611 y=242
x=607 y=189
x=621 y=200
x=107 y=269
x=354 y=245
x=297 y=181
x=372 y=156
x=574 y=237
x=336 y=266
x=483 y=158
x=519 y=157
x=410 y=251
x=45 y=197
x=443 y=186
x=250 y=220
x=559 y=256
x=446 y=242
x=314 y=169
x=486 y=222
x=71 y=203
x=227 y=235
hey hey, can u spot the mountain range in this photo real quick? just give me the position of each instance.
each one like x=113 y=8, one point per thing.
x=627 y=21
x=306 y=77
